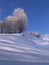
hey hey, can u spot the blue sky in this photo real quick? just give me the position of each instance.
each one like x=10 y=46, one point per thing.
x=36 y=10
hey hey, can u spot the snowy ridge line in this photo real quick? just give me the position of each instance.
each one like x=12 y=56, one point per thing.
x=17 y=47
x=6 y=41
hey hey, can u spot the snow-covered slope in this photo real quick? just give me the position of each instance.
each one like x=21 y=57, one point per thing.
x=27 y=47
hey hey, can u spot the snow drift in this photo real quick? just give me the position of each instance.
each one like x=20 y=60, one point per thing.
x=24 y=47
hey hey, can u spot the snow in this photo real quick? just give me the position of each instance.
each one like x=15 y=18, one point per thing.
x=24 y=47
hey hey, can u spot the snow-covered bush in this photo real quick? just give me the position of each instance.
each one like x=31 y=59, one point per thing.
x=36 y=34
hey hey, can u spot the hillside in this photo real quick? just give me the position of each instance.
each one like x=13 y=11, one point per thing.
x=28 y=47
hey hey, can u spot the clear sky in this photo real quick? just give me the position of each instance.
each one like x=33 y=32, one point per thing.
x=36 y=10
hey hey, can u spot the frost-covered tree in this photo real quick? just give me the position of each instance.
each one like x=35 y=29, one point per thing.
x=1 y=26
x=21 y=19
x=16 y=22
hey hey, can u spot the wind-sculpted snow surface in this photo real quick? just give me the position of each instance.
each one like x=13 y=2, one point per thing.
x=24 y=47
